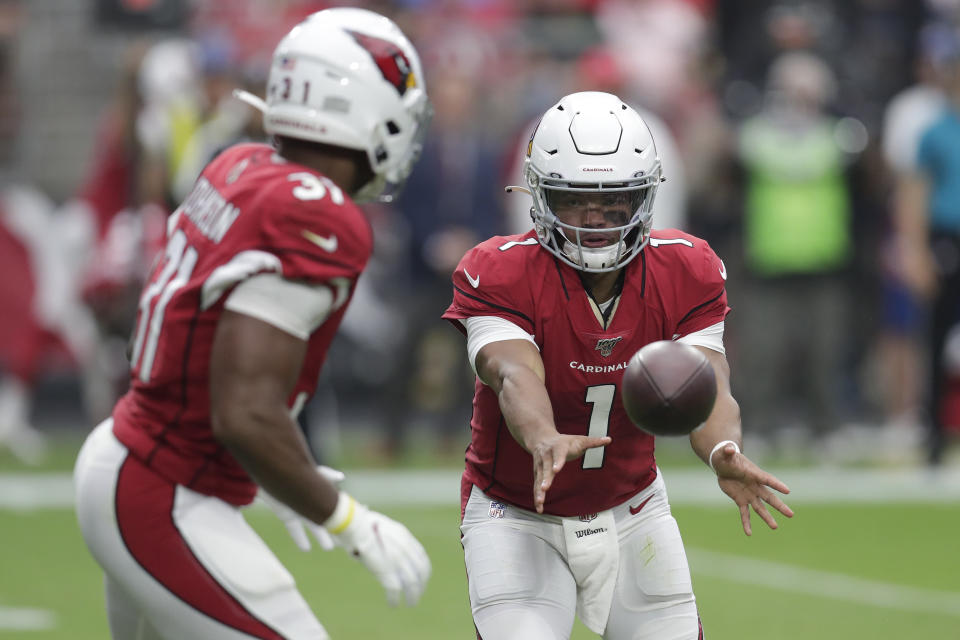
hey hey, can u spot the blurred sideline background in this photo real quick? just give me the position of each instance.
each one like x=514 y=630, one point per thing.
x=785 y=128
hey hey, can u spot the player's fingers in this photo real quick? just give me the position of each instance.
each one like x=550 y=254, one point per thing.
x=322 y=536
x=591 y=442
x=549 y=467
x=761 y=510
x=774 y=501
x=598 y=442
x=560 y=456
x=538 y=493
x=413 y=583
x=298 y=533
x=745 y=518
x=774 y=483
x=542 y=477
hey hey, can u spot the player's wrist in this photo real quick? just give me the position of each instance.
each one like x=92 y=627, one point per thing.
x=716 y=448
x=343 y=514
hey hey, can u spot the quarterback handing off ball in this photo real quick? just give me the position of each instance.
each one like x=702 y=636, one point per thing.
x=668 y=388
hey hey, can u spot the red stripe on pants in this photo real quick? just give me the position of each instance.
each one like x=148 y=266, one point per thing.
x=144 y=505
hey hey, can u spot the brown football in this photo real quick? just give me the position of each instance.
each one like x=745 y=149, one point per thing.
x=668 y=388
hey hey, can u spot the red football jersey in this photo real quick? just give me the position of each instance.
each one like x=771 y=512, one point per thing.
x=250 y=212
x=674 y=287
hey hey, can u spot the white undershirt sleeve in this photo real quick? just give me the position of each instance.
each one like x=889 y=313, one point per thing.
x=294 y=307
x=710 y=337
x=482 y=330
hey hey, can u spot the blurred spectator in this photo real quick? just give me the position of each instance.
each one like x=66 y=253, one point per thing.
x=751 y=33
x=43 y=327
x=10 y=18
x=121 y=224
x=656 y=43
x=171 y=113
x=223 y=120
x=797 y=241
x=899 y=354
x=450 y=201
x=689 y=63
x=913 y=109
x=929 y=224
x=174 y=106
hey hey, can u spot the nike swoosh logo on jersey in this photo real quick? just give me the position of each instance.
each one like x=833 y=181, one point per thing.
x=723 y=270
x=635 y=510
x=475 y=282
x=327 y=243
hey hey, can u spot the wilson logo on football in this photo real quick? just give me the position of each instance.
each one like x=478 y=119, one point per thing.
x=390 y=59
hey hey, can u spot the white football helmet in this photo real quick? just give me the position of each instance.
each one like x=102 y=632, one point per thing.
x=350 y=78
x=592 y=143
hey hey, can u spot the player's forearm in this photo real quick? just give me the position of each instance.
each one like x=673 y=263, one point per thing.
x=526 y=406
x=723 y=424
x=269 y=446
x=724 y=420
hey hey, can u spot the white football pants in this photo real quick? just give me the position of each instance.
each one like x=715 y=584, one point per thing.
x=522 y=586
x=179 y=565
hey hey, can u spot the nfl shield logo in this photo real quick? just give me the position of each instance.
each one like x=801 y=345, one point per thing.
x=497 y=509
x=605 y=345
x=589 y=516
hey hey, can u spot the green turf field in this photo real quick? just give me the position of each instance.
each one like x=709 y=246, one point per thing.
x=836 y=571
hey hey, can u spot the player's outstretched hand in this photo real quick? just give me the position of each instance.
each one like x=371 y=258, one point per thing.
x=551 y=454
x=298 y=526
x=749 y=486
x=385 y=547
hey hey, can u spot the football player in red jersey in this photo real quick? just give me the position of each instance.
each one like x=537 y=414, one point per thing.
x=563 y=507
x=233 y=326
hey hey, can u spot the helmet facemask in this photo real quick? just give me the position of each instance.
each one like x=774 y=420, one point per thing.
x=596 y=227
x=387 y=186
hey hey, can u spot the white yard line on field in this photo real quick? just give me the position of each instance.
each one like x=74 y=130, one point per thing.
x=823 y=584
x=28 y=491
x=24 y=619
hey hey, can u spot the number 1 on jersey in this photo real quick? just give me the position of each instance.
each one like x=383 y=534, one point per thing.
x=601 y=397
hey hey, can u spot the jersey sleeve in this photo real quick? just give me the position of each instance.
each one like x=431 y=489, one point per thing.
x=701 y=295
x=490 y=282
x=293 y=307
x=265 y=216
x=316 y=240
